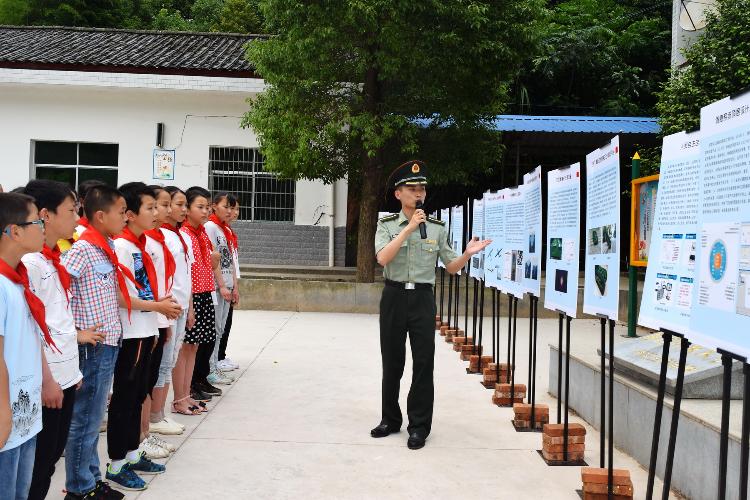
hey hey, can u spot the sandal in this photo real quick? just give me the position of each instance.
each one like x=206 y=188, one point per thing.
x=189 y=411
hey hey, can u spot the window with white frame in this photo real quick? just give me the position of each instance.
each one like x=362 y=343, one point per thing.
x=75 y=162
x=262 y=195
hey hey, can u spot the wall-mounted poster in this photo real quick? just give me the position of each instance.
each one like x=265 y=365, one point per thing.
x=163 y=164
x=721 y=297
x=668 y=288
x=476 y=264
x=532 y=198
x=516 y=241
x=601 y=290
x=563 y=230
x=642 y=210
x=494 y=229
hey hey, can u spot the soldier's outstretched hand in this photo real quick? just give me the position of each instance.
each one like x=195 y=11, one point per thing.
x=475 y=245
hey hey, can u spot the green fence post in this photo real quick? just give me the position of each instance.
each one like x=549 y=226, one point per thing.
x=635 y=172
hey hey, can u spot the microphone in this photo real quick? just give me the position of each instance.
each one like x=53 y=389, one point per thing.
x=422 y=225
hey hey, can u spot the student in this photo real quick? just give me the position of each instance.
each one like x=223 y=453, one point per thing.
x=96 y=278
x=225 y=364
x=165 y=265
x=21 y=360
x=50 y=281
x=222 y=239
x=64 y=244
x=170 y=370
x=139 y=306
x=200 y=339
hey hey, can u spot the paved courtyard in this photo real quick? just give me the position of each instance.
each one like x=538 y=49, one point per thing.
x=296 y=425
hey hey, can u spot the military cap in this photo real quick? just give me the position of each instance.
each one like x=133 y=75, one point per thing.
x=411 y=173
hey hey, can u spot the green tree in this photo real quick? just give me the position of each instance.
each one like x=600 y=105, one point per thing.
x=14 y=12
x=718 y=66
x=604 y=57
x=349 y=78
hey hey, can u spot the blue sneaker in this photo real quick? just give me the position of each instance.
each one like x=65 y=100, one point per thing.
x=146 y=466
x=126 y=479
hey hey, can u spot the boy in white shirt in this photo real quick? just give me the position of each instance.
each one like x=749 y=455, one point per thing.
x=50 y=281
x=139 y=339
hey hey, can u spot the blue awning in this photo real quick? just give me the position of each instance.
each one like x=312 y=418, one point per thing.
x=577 y=124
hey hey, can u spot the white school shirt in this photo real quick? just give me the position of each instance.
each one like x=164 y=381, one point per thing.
x=141 y=324
x=221 y=245
x=182 y=286
x=22 y=352
x=44 y=281
x=156 y=252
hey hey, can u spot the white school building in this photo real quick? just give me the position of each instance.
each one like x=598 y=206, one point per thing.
x=162 y=108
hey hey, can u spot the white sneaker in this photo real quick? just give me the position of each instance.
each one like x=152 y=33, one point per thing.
x=217 y=377
x=231 y=363
x=165 y=427
x=152 y=450
x=174 y=422
x=225 y=366
x=163 y=444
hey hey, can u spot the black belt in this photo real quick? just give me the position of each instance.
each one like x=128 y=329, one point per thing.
x=408 y=286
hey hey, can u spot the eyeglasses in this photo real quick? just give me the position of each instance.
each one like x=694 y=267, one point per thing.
x=38 y=222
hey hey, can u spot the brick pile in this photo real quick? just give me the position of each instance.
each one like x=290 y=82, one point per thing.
x=453 y=332
x=553 y=437
x=490 y=377
x=522 y=415
x=595 y=484
x=459 y=341
x=467 y=350
x=502 y=396
x=474 y=363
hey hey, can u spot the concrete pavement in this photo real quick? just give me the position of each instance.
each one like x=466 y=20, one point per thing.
x=296 y=424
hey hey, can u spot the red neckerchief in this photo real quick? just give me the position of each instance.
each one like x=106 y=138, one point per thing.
x=235 y=240
x=19 y=276
x=204 y=244
x=228 y=235
x=84 y=221
x=169 y=265
x=176 y=231
x=93 y=236
x=148 y=264
x=53 y=255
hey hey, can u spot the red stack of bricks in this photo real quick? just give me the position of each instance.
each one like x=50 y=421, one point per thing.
x=459 y=341
x=502 y=397
x=468 y=349
x=553 y=442
x=522 y=415
x=474 y=363
x=490 y=377
x=595 y=484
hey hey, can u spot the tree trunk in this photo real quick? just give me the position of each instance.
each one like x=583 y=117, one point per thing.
x=368 y=206
x=372 y=174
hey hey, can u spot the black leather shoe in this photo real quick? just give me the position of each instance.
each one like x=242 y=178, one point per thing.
x=207 y=388
x=199 y=395
x=416 y=441
x=382 y=431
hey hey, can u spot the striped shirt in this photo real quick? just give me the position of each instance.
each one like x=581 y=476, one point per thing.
x=94 y=290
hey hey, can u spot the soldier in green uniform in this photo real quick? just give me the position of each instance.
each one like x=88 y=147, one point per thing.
x=408 y=304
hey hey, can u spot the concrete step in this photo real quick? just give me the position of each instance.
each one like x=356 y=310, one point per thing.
x=307 y=273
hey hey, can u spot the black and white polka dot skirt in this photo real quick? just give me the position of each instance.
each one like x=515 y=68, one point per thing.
x=204 y=330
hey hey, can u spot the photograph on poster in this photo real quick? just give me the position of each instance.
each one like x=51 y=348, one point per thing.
x=561 y=280
x=532 y=243
x=609 y=238
x=600 y=278
x=555 y=248
x=595 y=241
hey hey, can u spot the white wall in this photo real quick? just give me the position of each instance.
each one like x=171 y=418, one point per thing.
x=193 y=121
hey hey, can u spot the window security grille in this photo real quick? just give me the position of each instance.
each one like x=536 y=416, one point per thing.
x=263 y=196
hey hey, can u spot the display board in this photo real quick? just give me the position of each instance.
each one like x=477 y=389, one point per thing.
x=563 y=239
x=516 y=241
x=494 y=229
x=445 y=217
x=457 y=229
x=668 y=287
x=532 y=199
x=720 y=315
x=601 y=292
x=476 y=265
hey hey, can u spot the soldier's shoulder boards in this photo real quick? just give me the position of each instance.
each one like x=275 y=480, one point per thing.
x=436 y=221
x=388 y=217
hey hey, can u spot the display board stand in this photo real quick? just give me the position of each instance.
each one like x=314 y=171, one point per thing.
x=531 y=385
x=684 y=345
x=607 y=403
x=563 y=318
x=512 y=324
x=495 y=343
x=726 y=360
